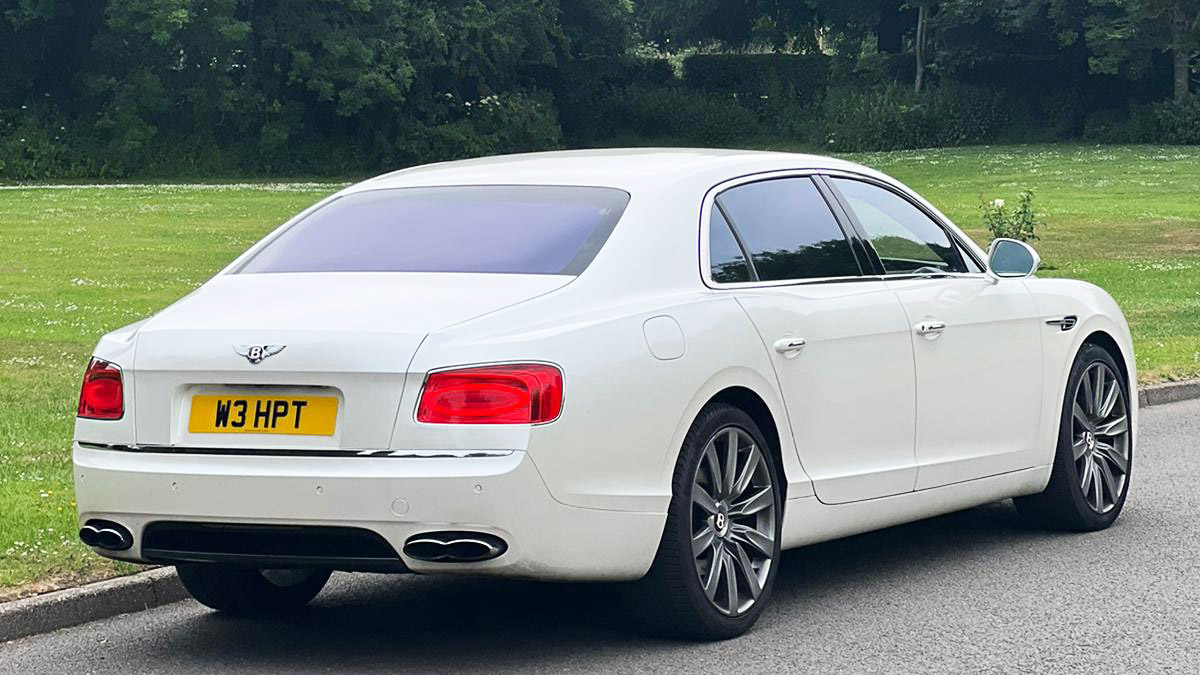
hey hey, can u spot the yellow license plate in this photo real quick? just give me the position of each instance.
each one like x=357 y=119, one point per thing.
x=298 y=415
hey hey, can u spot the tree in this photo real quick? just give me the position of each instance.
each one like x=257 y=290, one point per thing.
x=601 y=28
x=734 y=23
x=1123 y=34
x=921 y=40
x=173 y=63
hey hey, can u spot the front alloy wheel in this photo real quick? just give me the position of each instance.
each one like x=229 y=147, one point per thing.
x=1100 y=437
x=1089 y=480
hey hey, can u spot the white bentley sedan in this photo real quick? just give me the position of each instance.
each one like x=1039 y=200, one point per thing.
x=660 y=367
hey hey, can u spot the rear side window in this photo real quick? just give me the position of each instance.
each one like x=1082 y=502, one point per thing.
x=513 y=229
x=905 y=239
x=788 y=230
x=724 y=253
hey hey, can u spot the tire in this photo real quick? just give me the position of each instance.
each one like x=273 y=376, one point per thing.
x=1080 y=498
x=671 y=599
x=244 y=590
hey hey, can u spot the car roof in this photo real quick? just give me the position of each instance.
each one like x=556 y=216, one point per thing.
x=630 y=169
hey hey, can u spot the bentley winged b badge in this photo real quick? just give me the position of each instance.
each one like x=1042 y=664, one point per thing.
x=256 y=353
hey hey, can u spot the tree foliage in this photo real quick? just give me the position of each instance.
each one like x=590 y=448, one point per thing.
x=1125 y=34
x=113 y=87
x=389 y=79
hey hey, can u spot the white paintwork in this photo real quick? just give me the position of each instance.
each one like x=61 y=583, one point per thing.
x=876 y=424
x=664 y=338
x=976 y=377
x=850 y=390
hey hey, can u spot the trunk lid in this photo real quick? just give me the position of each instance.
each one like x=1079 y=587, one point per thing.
x=348 y=336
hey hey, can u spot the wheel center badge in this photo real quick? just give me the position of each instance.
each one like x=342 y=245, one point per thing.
x=1090 y=439
x=720 y=522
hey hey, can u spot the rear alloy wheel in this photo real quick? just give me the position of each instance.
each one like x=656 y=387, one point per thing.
x=245 y=590
x=1090 y=477
x=716 y=564
x=733 y=521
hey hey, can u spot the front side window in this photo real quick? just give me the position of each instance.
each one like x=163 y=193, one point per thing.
x=905 y=239
x=788 y=230
x=512 y=229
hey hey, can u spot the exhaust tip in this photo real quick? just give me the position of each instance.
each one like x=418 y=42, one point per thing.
x=457 y=547
x=89 y=535
x=106 y=534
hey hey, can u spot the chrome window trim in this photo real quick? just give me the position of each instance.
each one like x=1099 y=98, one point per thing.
x=706 y=207
x=908 y=196
x=710 y=197
x=947 y=275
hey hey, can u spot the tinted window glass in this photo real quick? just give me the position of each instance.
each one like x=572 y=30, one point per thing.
x=903 y=236
x=969 y=262
x=789 y=230
x=523 y=229
x=725 y=256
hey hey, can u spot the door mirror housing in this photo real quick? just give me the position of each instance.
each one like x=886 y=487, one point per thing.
x=1012 y=259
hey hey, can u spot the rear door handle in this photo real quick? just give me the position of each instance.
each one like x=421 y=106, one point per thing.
x=789 y=346
x=930 y=328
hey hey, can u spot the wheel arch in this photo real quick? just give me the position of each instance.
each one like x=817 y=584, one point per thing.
x=1108 y=343
x=748 y=401
x=754 y=392
x=1101 y=334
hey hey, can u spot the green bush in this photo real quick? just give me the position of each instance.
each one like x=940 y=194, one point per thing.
x=581 y=87
x=1133 y=124
x=1179 y=121
x=806 y=76
x=892 y=117
x=500 y=123
x=775 y=87
x=676 y=113
x=1020 y=223
x=31 y=149
x=1173 y=122
x=515 y=122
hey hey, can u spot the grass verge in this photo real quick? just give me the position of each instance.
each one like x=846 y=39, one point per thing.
x=78 y=261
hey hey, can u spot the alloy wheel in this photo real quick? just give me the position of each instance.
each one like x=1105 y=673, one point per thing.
x=1100 y=437
x=733 y=520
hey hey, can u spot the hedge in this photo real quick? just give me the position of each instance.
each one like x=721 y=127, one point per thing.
x=799 y=78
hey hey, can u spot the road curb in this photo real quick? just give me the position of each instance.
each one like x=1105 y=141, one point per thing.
x=136 y=592
x=90 y=602
x=1158 y=394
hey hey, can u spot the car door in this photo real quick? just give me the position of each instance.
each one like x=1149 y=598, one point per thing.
x=839 y=341
x=975 y=339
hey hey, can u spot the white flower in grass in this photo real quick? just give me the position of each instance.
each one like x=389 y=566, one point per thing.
x=998 y=203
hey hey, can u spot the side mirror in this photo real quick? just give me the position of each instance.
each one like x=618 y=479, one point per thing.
x=1009 y=258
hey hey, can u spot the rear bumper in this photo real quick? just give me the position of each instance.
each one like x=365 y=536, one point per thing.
x=391 y=496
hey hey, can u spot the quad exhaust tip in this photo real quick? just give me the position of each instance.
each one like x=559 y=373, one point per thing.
x=106 y=534
x=454 y=547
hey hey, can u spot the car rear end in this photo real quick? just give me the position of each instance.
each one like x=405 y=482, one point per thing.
x=274 y=419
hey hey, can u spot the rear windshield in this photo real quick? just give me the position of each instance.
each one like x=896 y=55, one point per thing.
x=513 y=229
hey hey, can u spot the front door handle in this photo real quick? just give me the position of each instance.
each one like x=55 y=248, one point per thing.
x=930 y=328
x=789 y=346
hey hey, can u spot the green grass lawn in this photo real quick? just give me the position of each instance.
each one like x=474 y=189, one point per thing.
x=76 y=263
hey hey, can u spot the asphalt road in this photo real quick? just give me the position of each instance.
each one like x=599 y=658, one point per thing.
x=970 y=592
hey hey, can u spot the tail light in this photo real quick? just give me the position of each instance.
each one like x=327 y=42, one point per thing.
x=103 y=395
x=529 y=393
